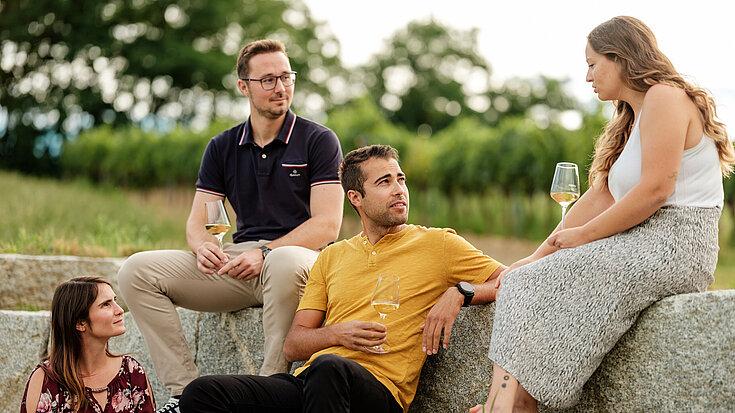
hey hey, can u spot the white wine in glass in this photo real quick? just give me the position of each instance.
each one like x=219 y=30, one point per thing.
x=217 y=222
x=384 y=301
x=565 y=186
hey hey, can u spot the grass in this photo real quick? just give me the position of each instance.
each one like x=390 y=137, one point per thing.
x=44 y=216
x=51 y=217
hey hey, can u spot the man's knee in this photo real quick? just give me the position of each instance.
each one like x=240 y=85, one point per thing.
x=327 y=363
x=199 y=393
x=288 y=265
x=130 y=271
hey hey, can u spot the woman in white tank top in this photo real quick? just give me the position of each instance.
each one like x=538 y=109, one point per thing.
x=646 y=228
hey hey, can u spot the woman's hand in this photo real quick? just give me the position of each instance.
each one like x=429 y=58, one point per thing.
x=513 y=266
x=569 y=238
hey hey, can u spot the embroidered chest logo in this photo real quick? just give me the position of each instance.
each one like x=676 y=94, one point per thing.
x=296 y=168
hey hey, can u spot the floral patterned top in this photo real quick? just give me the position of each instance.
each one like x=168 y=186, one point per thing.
x=127 y=392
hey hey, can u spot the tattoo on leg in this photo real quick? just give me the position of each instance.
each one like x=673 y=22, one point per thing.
x=506 y=377
x=503 y=385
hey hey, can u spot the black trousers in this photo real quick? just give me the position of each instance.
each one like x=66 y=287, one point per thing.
x=330 y=384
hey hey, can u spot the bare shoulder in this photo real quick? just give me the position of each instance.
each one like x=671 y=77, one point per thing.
x=667 y=103
x=665 y=94
x=35 y=384
x=37 y=379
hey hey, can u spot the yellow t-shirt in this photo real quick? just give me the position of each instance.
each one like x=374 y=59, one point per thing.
x=427 y=261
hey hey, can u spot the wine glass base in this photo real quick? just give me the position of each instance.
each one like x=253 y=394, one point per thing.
x=381 y=349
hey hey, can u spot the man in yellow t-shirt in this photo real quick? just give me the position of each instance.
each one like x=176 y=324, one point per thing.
x=336 y=328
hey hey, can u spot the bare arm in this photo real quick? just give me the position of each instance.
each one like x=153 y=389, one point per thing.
x=33 y=395
x=668 y=114
x=307 y=336
x=443 y=314
x=326 y=203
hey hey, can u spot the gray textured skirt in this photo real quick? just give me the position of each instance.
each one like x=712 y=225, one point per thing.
x=556 y=318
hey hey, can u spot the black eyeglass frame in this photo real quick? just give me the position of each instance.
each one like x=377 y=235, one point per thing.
x=289 y=75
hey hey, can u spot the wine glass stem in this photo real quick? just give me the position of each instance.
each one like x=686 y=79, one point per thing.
x=563 y=214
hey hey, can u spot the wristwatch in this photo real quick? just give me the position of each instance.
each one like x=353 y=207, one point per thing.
x=265 y=250
x=467 y=290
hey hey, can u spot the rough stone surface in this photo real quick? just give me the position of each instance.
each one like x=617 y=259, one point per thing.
x=23 y=341
x=132 y=343
x=29 y=281
x=459 y=377
x=678 y=357
x=238 y=336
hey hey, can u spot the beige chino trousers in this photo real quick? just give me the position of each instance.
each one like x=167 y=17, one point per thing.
x=153 y=283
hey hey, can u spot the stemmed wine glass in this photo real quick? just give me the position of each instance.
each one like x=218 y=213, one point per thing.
x=565 y=186
x=217 y=222
x=385 y=301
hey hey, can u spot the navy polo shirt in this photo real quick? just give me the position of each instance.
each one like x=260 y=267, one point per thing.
x=269 y=187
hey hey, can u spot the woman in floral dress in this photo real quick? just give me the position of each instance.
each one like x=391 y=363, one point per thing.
x=80 y=374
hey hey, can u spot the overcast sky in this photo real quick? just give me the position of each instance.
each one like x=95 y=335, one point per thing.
x=526 y=38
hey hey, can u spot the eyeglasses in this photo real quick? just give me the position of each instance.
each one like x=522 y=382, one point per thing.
x=269 y=82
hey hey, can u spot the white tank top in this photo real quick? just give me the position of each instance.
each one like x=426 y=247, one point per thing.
x=699 y=183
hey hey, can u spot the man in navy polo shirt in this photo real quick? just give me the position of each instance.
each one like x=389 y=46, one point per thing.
x=279 y=172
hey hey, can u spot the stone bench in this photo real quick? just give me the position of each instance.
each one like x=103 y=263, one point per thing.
x=29 y=281
x=680 y=356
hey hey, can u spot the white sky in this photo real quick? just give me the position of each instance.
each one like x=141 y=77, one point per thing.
x=526 y=38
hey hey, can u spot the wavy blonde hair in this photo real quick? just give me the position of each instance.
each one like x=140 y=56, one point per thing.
x=632 y=46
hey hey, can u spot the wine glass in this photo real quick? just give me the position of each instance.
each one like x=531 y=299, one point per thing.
x=565 y=186
x=384 y=301
x=217 y=222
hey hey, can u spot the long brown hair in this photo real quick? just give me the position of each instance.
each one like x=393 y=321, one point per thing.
x=633 y=47
x=70 y=305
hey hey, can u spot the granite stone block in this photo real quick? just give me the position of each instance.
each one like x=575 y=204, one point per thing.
x=29 y=281
x=679 y=356
x=24 y=337
x=231 y=343
x=459 y=377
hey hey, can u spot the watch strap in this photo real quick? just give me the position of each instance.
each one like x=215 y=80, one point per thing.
x=265 y=250
x=468 y=295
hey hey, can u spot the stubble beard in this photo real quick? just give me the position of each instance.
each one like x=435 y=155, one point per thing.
x=387 y=220
x=274 y=113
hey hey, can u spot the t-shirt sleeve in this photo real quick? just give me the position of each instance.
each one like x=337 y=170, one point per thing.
x=315 y=292
x=324 y=159
x=211 y=176
x=464 y=261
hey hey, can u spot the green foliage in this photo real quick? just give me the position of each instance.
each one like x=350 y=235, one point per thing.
x=129 y=157
x=470 y=156
x=68 y=66
x=418 y=78
x=429 y=74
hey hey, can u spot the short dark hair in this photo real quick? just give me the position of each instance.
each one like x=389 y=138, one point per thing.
x=350 y=172
x=255 y=48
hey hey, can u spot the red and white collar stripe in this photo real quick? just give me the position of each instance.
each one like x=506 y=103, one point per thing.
x=288 y=137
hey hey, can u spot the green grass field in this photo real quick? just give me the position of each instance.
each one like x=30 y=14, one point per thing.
x=49 y=217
